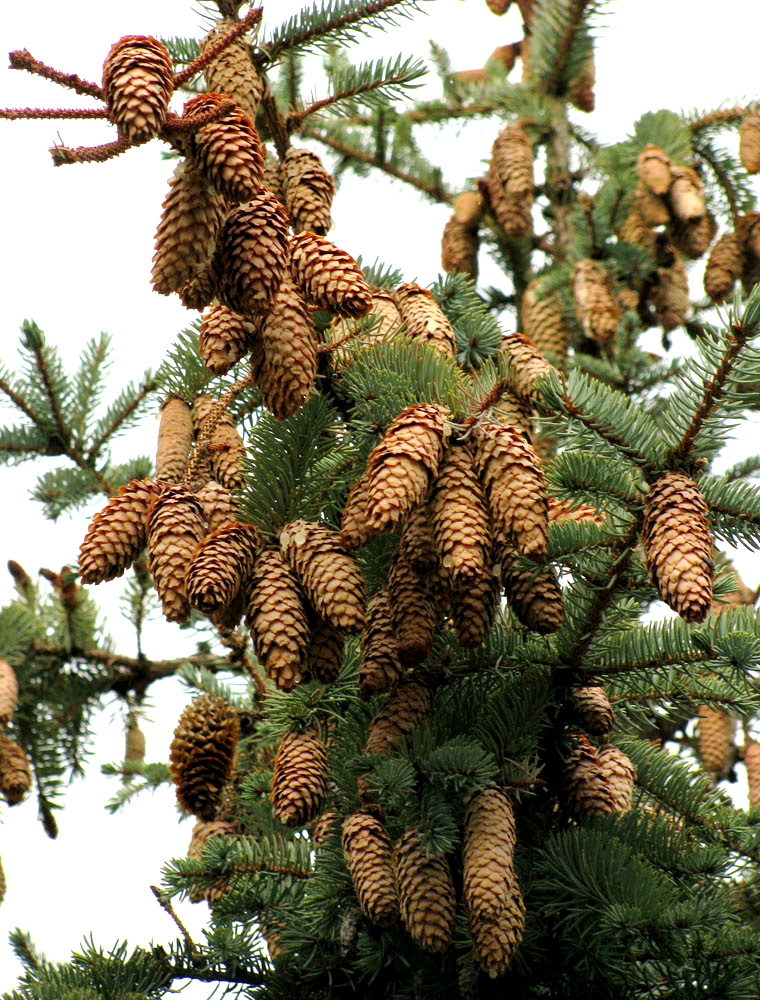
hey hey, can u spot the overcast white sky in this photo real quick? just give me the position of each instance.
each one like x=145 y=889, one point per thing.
x=78 y=246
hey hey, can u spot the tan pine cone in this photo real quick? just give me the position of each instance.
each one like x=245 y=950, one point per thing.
x=488 y=853
x=138 y=79
x=285 y=363
x=636 y=231
x=219 y=506
x=527 y=366
x=653 y=208
x=510 y=409
x=232 y=72
x=592 y=709
x=512 y=212
x=225 y=446
x=670 y=295
x=200 y=758
x=514 y=486
x=379 y=667
x=325 y=654
x=424 y=319
x=752 y=763
x=277 y=618
x=227 y=150
x=468 y=206
x=323 y=827
x=510 y=180
x=587 y=789
x=330 y=577
x=459 y=248
x=724 y=268
x=595 y=304
x=459 y=518
x=253 y=249
x=116 y=534
x=220 y=566
x=369 y=858
x=201 y=290
x=175 y=438
x=685 y=195
x=370 y=331
x=308 y=190
x=496 y=939
x=694 y=237
x=749 y=143
x=175 y=525
x=406 y=707
x=328 y=277
x=678 y=545
x=620 y=774
x=191 y=219
x=225 y=337
x=414 y=614
x=474 y=603
x=544 y=325
x=715 y=738
x=15 y=775
x=134 y=742
x=417 y=541
x=203 y=832
x=534 y=595
x=400 y=469
x=654 y=169
x=355 y=530
x=8 y=692
x=425 y=892
x=299 y=783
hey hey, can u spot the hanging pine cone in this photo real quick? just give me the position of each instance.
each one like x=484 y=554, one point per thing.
x=620 y=774
x=694 y=237
x=510 y=409
x=424 y=319
x=752 y=763
x=581 y=93
x=220 y=566
x=175 y=438
x=203 y=832
x=459 y=249
x=134 y=743
x=417 y=541
x=670 y=295
x=355 y=529
x=15 y=775
x=678 y=545
x=406 y=707
x=325 y=655
x=175 y=526
x=191 y=218
x=400 y=469
x=653 y=208
x=330 y=577
x=369 y=858
x=592 y=708
x=227 y=150
x=299 y=783
x=323 y=827
x=595 y=304
x=488 y=852
x=231 y=72
x=468 y=209
x=496 y=939
x=308 y=190
x=116 y=534
x=414 y=615
x=474 y=603
x=635 y=231
x=138 y=79
x=425 y=893
x=219 y=506
x=253 y=248
x=201 y=290
x=200 y=758
x=328 y=277
x=534 y=594
x=543 y=323
x=8 y=692
x=277 y=619
x=588 y=792
x=655 y=170
x=510 y=181
x=379 y=667
x=685 y=196
x=749 y=143
x=273 y=177
x=515 y=487
x=459 y=517
x=715 y=738
x=225 y=446
x=226 y=336
x=527 y=366
x=724 y=268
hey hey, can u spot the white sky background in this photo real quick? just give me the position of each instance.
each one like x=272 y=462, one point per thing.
x=77 y=243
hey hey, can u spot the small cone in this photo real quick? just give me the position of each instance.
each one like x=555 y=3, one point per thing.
x=220 y=566
x=653 y=208
x=510 y=181
x=636 y=231
x=685 y=196
x=323 y=827
x=219 y=506
x=417 y=541
x=595 y=304
x=749 y=144
x=620 y=774
x=460 y=521
x=369 y=858
x=678 y=545
x=225 y=337
x=225 y=445
x=138 y=79
x=300 y=778
x=588 y=791
x=227 y=151
x=468 y=206
x=487 y=854
x=175 y=438
x=496 y=939
x=425 y=893
x=200 y=758
x=694 y=237
x=752 y=763
x=325 y=656
x=15 y=775
x=424 y=319
x=534 y=594
x=175 y=526
x=355 y=530
x=201 y=291
x=459 y=249
x=670 y=296
x=277 y=619
x=232 y=73
x=308 y=190
x=330 y=577
x=328 y=277
x=8 y=692
x=715 y=737
x=543 y=323
x=203 y=832
x=474 y=603
x=414 y=615
x=527 y=366
x=379 y=667
x=654 y=169
x=593 y=710
x=134 y=743
x=581 y=93
x=724 y=268
x=116 y=534
x=406 y=707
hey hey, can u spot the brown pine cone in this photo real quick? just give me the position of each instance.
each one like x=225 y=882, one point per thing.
x=323 y=827
x=201 y=290
x=715 y=738
x=134 y=741
x=496 y=939
x=328 y=277
x=588 y=791
x=749 y=144
x=678 y=545
x=424 y=319
x=595 y=304
x=325 y=655
x=498 y=7
x=232 y=73
x=685 y=196
x=459 y=248
x=417 y=541
x=299 y=783
x=510 y=181
x=138 y=79
x=544 y=325
x=175 y=525
x=534 y=594
x=694 y=237
x=488 y=853
x=527 y=366
x=273 y=177
x=200 y=758
x=653 y=208
x=8 y=692
x=474 y=603
x=220 y=566
x=380 y=666
x=227 y=150
x=468 y=206
x=116 y=534
x=581 y=93
x=620 y=774
x=406 y=707
x=510 y=409
x=655 y=170
x=15 y=775
x=670 y=296
x=224 y=446
x=253 y=250
x=203 y=832
x=425 y=893
x=635 y=230
x=225 y=337
x=308 y=190
x=369 y=858
x=724 y=268
x=752 y=763
x=459 y=518
x=355 y=530
x=219 y=506
x=592 y=708
x=414 y=614
x=175 y=438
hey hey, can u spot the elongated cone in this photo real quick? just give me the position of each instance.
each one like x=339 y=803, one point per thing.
x=203 y=832
x=226 y=336
x=620 y=774
x=654 y=169
x=533 y=594
x=752 y=763
x=175 y=438
x=232 y=73
x=175 y=526
x=425 y=893
x=510 y=180
x=592 y=708
x=468 y=209
x=15 y=775
x=116 y=534
x=299 y=783
x=323 y=827
x=458 y=511
x=253 y=246
x=459 y=248
x=219 y=506
x=414 y=614
x=406 y=707
x=515 y=487
x=488 y=853
x=225 y=446
x=227 y=150
x=374 y=329
x=286 y=363
x=715 y=738
x=581 y=93
x=588 y=791
x=512 y=212
x=308 y=190
x=8 y=692
x=678 y=545
x=200 y=758
x=138 y=79
x=496 y=939
x=749 y=144
x=685 y=196
x=201 y=290
x=724 y=268
x=191 y=218
x=417 y=541
x=748 y=232
x=693 y=238
x=330 y=577
x=636 y=231
x=474 y=603
x=355 y=529
x=221 y=565
x=527 y=365
x=134 y=741
x=277 y=618
x=544 y=324
x=401 y=468
x=369 y=857
x=653 y=208
x=325 y=655
x=670 y=296
x=595 y=304
x=379 y=667
x=328 y=277
x=424 y=319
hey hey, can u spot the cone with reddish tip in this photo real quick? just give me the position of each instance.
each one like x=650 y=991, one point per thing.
x=299 y=783
x=277 y=618
x=175 y=438
x=225 y=337
x=406 y=707
x=175 y=527
x=200 y=758
x=253 y=253
x=369 y=857
x=328 y=277
x=379 y=667
x=425 y=893
x=116 y=534
x=138 y=79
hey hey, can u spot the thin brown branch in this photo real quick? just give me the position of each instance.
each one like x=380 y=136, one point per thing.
x=726 y=186
x=63 y=155
x=721 y=116
x=21 y=403
x=275 y=122
x=23 y=59
x=175 y=125
x=166 y=905
x=250 y=20
x=202 y=445
x=563 y=54
x=15 y=113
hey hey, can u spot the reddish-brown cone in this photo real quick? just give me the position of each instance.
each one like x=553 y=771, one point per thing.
x=308 y=190
x=253 y=251
x=226 y=336
x=299 y=783
x=200 y=759
x=328 y=277
x=406 y=707
x=227 y=150
x=116 y=534
x=220 y=566
x=380 y=665
x=138 y=79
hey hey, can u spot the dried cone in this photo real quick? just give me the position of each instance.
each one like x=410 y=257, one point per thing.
x=460 y=521
x=749 y=144
x=116 y=534
x=369 y=858
x=231 y=73
x=201 y=291
x=226 y=336
x=595 y=305
x=8 y=692
x=654 y=169
x=425 y=893
x=285 y=364
x=328 y=277
x=459 y=248
x=379 y=667
x=273 y=177
x=200 y=758
x=587 y=789
x=510 y=181
x=225 y=446
x=175 y=527
x=220 y=566
x=636 y=231
x=323 y=827
x=203 y=831
x=510 y=409
x=592 y=708
x=685 y=196
x=544 y=325
x=134 y=743
x=175 y=438
x=715 y=738
x=724 y=268
x=414 y=615
x=300 y=778
x=400 y=469
x=219 y=506
x=253 y=247
x=138 y=79
x=488 y=852
x=671 y=295
x=15 y=775
x=496 y=939
x=383 y=320
x=474 y=603
x=752 y=763
x=694 y=237
x=620 y=774
x=748 y=231
x=533 y=594
x=325 y=656
x=330 y=577
x=468 y=208
x=527 y=365
x=406 y=707
x=191 y=218
x=424 y=319
x=227 y=150
x=678 y=545
x=653 y=208
x=308 y=190
x=277 y=618
x=417 y=541
x=355 y=530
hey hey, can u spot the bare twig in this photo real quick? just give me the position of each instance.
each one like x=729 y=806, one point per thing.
x=23 y=59
x=16 y=113
x=63 y=155
x=165 y=904
x=251 y=19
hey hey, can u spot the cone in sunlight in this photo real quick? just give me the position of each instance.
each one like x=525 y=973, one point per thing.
x=138 y=79
x=308 y=190
x=232 y=73
x=116 y=534
x=201 y=754
x=175 y=438
x=424 y=319
x=299 y=783
x=226 y=150
x=225 y=338
x=328 y=277
x=221 y=564
x=253 y=250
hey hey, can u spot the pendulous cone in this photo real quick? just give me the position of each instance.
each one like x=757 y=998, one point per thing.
x=15 y=774
x=544 y=324
x=201 y=754
x=670 y=295
x=533 y=592
x=587 y=790
x=8 y=692
x=231 y=72
x=175 y=525
x=749 y=144
x=299 y=783
x=595 y=304
x=325 y=653
x=619 y=774
x=225 y=337
x=203 y=832
x=219 y=506
x=369 y=857
x=175 y=438
x=685 y=195
x=224 y=445
x=474 y=603
x=510 y=181
x=488 y=853
x=424 y=319
x=414 y=613
x=355 y=529
x=220 y=566
x=459 y=248
x=724 y=268
x=138 y=79
x=226 y=150
x=406 y=707
x=592 y=708
x=715 y=739
x=527 y=365
x=308 y=190
x=752 y=764
x=425 y=892
x=379 y=667
x=496 y=939
x=328 y=277
x=459 y=517
x=417 y=541
x=654 y=169
x=116 y=534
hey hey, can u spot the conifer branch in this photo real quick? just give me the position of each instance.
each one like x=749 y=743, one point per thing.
x=149 y=386
x=63 y=155
x=23 y=59
x=246 y=23
x=705 y=151
x=573 y=17
x=19 y=401
x=166 y=905
x=718 y=117
x=276 y=124
x=50 y=113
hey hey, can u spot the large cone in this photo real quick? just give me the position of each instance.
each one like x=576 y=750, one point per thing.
x=200 y=759
x=715 y=738
x=595 y=305
x=458 y=512
x=116 y=534
x=488 y=852
x=369 y=857
x=534 y=594
x=328 y=277
x=380 y=665
x=299 y=783
x=424 y=319
x=227 y=151
x=724 y=268
x=220 y=566
x=226 y=336
x=219 y=505
x=510 y=181
x=474 y=603
x=543 y=323
x=175 y=438
x=175 y=527
x=308 y=190
x=8 y=692
x=406 y=707
x=414 y=614
x=253 y=246
x=496 y=939
x=587 y=790
x=138 y=79
x=15 y=774
x=355 y=529
x=232 y=73
x=654 y=169
x=527 y=364
x=425 y=892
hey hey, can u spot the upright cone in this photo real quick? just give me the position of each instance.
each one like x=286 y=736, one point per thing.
x=425 y=892
x=369 y=857
x=299 y=783
x=200 y=758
